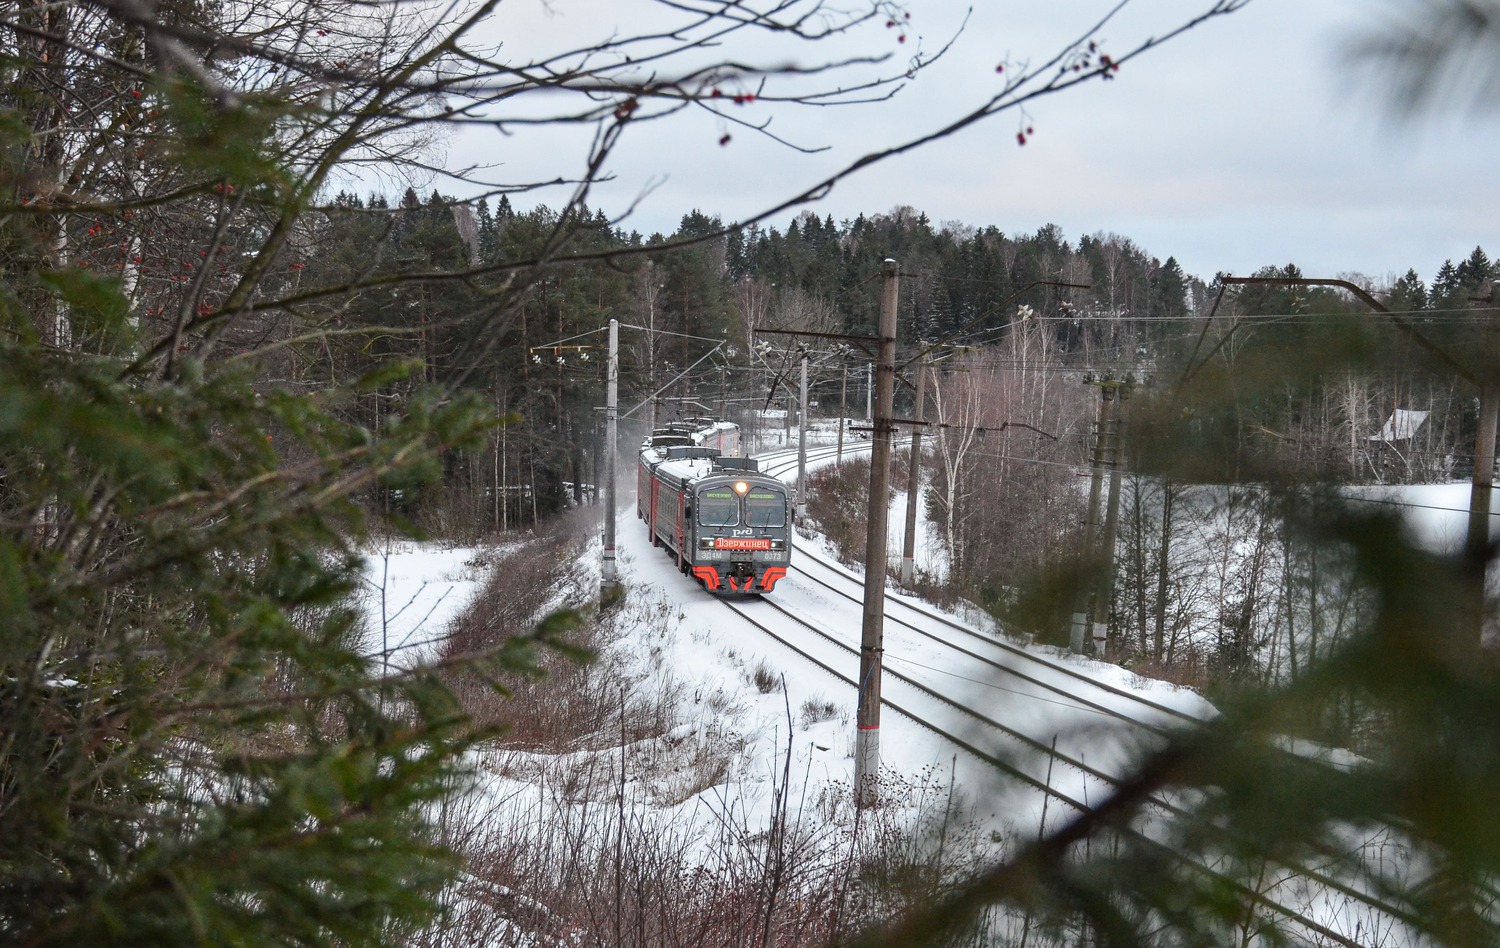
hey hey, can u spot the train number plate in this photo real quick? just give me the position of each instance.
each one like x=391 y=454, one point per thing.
x=742 y=543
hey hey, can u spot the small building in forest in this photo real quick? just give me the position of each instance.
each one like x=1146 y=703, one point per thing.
x=1391 y=449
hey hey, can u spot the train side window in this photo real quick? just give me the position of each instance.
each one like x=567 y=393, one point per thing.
x=765 y=508
x=718 y=508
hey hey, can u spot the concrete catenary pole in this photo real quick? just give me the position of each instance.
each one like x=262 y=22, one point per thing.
x=802 y=442
x=872 y=648
x=913 y=480
x=610 y=576
x=1079 y=631
x=1481 y=489
x=786 y=417
x=1105 y=594
x=838 y=457
x=870 y=392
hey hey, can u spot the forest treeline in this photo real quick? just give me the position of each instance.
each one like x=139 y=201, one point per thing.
x=1106 y=305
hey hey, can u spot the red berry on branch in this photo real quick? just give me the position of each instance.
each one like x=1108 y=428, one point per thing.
x=1020 y=138
x=724 y=139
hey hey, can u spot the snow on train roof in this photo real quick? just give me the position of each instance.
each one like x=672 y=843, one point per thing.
x=679 y=450
x=657 y=453
x=670 y=464
x=687 y=469
x=698 y=429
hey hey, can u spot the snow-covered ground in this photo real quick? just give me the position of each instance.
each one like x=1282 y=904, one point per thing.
x=757 y=723
x=1437 y=514
x=412 y=592
x=749 y=693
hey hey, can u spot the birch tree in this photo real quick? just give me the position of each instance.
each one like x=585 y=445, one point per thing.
x=958 y=409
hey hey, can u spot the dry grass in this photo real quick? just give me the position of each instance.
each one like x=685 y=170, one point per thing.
x=590 y=860
x=764 y=678
x=838 y=506
x=814 y=710
x=565 y=699
x=1189 y=669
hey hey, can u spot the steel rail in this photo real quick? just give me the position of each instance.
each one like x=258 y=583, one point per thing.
x=999 y=643
x=1045 y=787
x=1343 y=888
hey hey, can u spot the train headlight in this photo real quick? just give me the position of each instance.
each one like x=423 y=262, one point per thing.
x=741 y=487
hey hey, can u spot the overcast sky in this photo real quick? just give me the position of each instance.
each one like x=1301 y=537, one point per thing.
x=1241 y=144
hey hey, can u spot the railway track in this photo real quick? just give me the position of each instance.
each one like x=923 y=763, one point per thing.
x=1054 y=681
x=992 y=653
x=996 y=656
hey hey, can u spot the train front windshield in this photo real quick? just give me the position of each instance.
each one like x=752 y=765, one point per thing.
x=718 y=508
x=765 y=508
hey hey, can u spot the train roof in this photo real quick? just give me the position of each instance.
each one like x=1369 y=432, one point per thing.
x=685 y=432
x=695 y=428
x=682 y=471
x=660 y=439
x=709 y=424
x=653 y=454
x=740 y=464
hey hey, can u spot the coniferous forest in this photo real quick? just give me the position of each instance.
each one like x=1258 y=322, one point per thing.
x=1109 y=307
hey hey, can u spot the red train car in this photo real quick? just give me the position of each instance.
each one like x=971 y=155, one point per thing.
x=724 y=523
